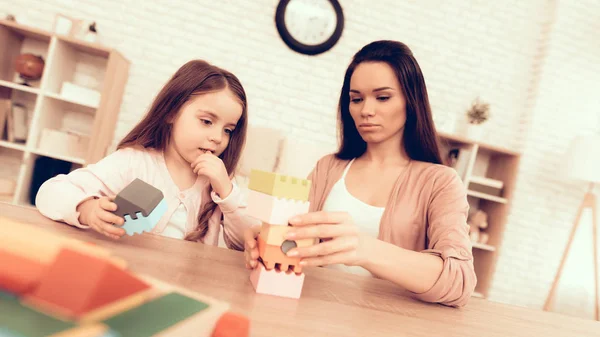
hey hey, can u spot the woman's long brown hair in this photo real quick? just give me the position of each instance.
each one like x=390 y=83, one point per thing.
x=420 y=137
x=194 y=78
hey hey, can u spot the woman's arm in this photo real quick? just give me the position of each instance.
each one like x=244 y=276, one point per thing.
x=443 y=273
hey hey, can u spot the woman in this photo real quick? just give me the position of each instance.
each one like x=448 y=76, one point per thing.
x=384 y=202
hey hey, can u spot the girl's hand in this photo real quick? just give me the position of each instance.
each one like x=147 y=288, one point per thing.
x=213 y=168
x=97 y=213
x=251 y=246
x=342 y=241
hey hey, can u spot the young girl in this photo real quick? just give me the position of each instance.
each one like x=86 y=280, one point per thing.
x=187 y=146
x=383 y=204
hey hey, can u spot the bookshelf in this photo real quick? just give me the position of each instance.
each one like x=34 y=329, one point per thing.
x=489 y=174
x=71 y=128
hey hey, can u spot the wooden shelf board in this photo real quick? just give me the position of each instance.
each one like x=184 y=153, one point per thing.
x=10 y=145
x=27 y=31
x=483 y=246
x=74 y=160
x=487 y=197
x=85 y=46
x=68 y=100
x=19 y=87
x=484 y=146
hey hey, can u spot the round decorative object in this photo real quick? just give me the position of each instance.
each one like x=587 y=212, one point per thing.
x=309 y=27
x=287 y=245
x=29 y=66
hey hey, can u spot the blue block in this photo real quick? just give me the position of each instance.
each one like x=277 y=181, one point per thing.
x=145 y=224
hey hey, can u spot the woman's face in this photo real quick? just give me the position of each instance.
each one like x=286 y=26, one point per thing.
x=377 y=104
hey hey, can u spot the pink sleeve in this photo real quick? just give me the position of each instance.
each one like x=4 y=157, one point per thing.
x=59 y=197
x=448 y=236
x=235 y=219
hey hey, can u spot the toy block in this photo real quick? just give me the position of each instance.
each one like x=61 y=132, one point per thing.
x=274 y=235
x=276 y=282
x=273 y=256
x=201 y=323
x=141 y=205
x=19 y=274
x=232 y=325
x=155 y=316
x=24 y=321
x=76 y=284
x=279 y=185
x=274 y=210
x=119 y=306
x=144 y=224
x=43 y=246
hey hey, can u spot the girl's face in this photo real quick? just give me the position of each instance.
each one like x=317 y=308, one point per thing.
x=377 y=104
x=205 y=123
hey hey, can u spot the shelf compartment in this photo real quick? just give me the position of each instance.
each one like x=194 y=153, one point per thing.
x=16 y=115
x=75 y=76
x=15 y=40
x=10 y=169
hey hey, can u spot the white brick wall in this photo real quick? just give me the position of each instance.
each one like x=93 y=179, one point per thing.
x=465 y=48
x=546 y=201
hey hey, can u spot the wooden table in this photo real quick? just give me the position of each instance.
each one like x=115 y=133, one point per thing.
x=333 y=303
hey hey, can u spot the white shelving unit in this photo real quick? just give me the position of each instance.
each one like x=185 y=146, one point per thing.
x=66 y=60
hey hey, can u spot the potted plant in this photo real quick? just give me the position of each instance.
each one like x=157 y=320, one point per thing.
x=477 y=114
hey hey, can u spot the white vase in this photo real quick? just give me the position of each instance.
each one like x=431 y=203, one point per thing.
x=474 y=132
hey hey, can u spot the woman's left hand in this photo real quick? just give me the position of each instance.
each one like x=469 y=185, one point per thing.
x=342 y=242
x=213 y=168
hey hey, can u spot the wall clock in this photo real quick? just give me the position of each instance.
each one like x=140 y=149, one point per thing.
x=309 y=27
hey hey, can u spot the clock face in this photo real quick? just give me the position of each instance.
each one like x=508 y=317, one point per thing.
x=310 y=22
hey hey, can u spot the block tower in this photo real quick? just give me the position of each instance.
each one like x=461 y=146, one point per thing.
x=274 y=199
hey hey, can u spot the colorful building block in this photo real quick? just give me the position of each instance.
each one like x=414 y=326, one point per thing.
x=18 y=274
x=273 y=257
x=274 y=235
x=232 y=325
x=274 y=210
x=156 y=315
x=279 y=185
x=276 y=282
x=96 y=282
x=141 y=205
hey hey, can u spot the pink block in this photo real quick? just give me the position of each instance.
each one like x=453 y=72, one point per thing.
x=273 y=210
x=275 y=282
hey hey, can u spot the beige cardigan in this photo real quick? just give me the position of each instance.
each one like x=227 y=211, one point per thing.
x=427 y=212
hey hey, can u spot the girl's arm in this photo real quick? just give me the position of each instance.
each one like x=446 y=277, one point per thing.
x=235 y=219
x=59 y=197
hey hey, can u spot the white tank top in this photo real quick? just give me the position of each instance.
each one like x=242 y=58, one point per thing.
x=365 y=216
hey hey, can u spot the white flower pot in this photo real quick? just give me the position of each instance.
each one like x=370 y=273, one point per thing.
x=474 y=132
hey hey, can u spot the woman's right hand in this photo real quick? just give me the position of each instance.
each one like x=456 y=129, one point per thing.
x=97 y=213
x=251 y=246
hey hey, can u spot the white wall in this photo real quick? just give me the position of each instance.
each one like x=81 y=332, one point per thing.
x=465 y=48
x=568 y=103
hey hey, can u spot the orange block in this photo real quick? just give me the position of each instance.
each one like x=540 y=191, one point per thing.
x=232 y=325
x=273 y=257
x=276 y=282
x=18 y=274
x=76 y=284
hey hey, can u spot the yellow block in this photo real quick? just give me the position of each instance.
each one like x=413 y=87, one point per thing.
x=280 y=186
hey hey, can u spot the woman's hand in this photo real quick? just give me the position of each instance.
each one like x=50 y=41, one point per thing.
x=341 y=241
x=97 y=213
x=213 y=168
